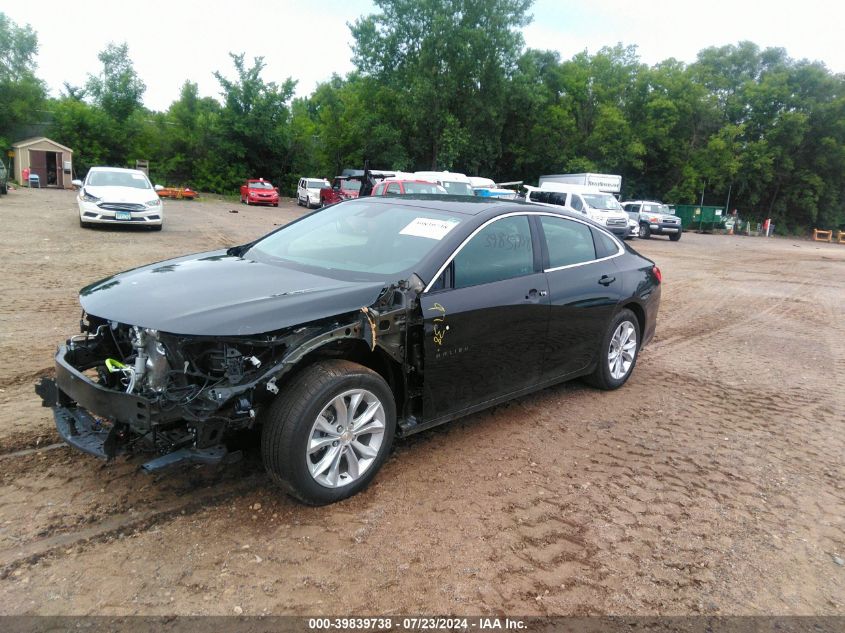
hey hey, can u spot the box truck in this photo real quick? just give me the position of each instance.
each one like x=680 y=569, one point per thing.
x=608 y=183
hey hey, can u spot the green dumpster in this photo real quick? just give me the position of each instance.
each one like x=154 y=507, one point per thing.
x=696 y=217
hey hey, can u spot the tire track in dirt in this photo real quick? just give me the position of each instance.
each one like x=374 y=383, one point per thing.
x=33 y=551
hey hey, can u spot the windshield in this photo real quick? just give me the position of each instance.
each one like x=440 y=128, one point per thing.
x=349 y=185
x=656 y=208
x=359 y=237
x=458 y=188
x=118 y=179
x=423 y=187
x=601 y=202
x=260 y=185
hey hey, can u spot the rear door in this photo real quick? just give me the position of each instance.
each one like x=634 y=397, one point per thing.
x=585 y=287
x=485 y=319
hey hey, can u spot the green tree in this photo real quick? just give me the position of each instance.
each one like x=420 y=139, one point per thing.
x=22 y=94
x=117 y=89
x=254 y=124
x=449 y=61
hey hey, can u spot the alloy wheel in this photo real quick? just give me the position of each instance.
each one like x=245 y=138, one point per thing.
x=345 y=438
x=623 y=350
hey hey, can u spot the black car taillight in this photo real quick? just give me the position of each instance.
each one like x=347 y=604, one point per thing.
x=657 y=274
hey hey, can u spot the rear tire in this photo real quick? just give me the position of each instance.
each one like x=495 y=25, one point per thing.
x=311 y=413
x=618 y=353
x=645 y=231
x=675 y=236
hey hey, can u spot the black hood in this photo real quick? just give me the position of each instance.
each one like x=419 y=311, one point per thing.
x=215 y=294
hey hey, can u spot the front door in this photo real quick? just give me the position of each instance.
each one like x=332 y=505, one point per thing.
x=485 y=327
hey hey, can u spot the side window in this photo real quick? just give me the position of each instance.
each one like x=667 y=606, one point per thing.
x=301 y=184
x=501 y=250
x=569 y=242
x=558 y=199
x=605 y=245
x=379 y=190
x=393 y=188
x=576 y=203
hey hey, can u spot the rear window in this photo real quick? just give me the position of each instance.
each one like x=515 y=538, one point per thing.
x=458 y=188
x=422 y=187
x=314 y=184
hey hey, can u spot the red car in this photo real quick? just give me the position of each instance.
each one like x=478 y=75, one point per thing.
x=259 y=191
x=342 y=189
x=399 y=186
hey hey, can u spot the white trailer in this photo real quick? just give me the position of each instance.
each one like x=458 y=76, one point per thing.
x=608 y=183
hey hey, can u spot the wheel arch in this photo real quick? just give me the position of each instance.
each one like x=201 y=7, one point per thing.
x=358 y=351
x=639 y=312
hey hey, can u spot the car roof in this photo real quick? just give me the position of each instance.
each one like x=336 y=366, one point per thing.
x=421 y=180
x=117 y=169
x=470 y=205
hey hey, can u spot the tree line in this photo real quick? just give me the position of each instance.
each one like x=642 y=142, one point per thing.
x=449 y=84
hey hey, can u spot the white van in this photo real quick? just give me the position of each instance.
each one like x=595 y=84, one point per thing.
x=597 y=205
x=454 y=183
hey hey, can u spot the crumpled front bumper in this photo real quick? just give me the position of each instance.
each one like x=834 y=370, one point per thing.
x=98 y=421
x=76 y=426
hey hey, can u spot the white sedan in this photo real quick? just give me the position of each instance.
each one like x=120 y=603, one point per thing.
x=111 y=195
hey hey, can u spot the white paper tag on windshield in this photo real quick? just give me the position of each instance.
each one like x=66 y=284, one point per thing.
x=427 y=227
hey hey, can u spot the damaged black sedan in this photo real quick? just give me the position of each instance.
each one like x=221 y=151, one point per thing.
x=367 y=319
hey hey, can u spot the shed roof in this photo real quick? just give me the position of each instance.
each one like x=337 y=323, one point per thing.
x=40 y=139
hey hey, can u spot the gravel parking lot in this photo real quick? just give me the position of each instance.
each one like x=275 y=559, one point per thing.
x=711 y=483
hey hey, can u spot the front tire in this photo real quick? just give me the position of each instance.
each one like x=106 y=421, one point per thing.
x=326 y=435
x=645 y=231
x=618 y=352
x=675 y=236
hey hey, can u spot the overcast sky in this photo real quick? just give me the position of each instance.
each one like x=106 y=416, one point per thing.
x=170 y=42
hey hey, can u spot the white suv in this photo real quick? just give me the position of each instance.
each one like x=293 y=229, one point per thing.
x=308 y=191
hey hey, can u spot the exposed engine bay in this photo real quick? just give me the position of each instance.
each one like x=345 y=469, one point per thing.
x=122 y=388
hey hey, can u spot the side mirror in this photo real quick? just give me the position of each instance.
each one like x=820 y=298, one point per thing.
x=276 y=189
x=158 y=187
x=76 y=183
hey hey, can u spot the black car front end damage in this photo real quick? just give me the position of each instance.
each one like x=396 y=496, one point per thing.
x=126 y=389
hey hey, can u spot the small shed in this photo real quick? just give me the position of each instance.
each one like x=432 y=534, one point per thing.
x=52 y=161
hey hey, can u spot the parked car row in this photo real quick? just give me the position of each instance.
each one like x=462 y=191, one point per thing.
x=112 y=195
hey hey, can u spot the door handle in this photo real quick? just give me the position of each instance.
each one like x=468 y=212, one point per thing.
x=606 y=280
x=534 y=293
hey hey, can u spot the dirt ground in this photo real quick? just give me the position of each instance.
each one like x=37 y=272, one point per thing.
x=711 y=483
